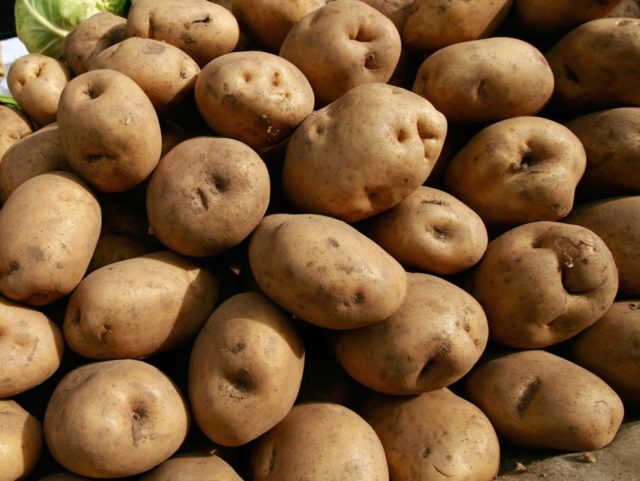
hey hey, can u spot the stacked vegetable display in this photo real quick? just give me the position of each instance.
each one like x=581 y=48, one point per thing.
x=318 y=240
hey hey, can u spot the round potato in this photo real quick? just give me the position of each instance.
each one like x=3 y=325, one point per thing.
x=207 y=195
x=536 y=399
x=245 y=370
x=324 y=271
x=31 y=348
x=49 y=228
x=625 y=8
x=434 y=436
x=342 y=45
x=192 y=468
x=486 y=80
x=523 y=169
x=431 y=230
x=114 y=419
x=336 y=164
x=15 y=125
x=20 y=441
x=320 y=438
x=543 y=282
x=547 y=17
x=200 y=28
x=36 y=82
x=434 y=339
x=255 y=97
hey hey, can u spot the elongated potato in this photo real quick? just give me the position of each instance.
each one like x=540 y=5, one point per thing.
x=20 y=441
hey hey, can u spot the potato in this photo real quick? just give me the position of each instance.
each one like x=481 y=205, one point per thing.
x=31 y=348
x=430 y=230
x=486 y=80
x=610 y=140
x=433 y=436
x=435 y=24
x=37 y=153
x=519 y=170
x=324 y=271
x=15 y=125
x=342 y=45
x=597 y=64
x=268 y=22
x=255 y=97
x=139 y=307
x=90 y=37
x=20 y=441
x=397 y=11
x=200 y=28
x=625 y=8
x=36 y=82
x=207 y=195
x=320 y=439
x=114 y=419
x=610 y=349
x=536 y=399
x=617 y=222
x=434 y=339
x=337 y=164
x=548 y=17
x=245 y=370
x=543 y=282
x=164 y=72
x=193 y=468
x=49 y=227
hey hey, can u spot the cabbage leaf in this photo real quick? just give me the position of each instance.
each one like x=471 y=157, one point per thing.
x=42 y=24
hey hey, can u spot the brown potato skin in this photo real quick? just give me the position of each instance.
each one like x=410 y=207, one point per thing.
x=319 y=438
x=127 y=418
x=207 y=195
x=431 y=230
x=245 y=370
x=340 y=166
x=342 y=45
x=543 y=282
x=324 y=271
x=552 y=17
x=617 y=222
x=486 y=80
x=519 y=170
x=597 y=64
x=20 y=441
x=49 y=228
x=31 y=348
x=626 y=8
x=434 y=435
x=434 y=339
x=535 y=399
x=397 y=11
x=15 y=125
x=200 y=28
x=192 y=468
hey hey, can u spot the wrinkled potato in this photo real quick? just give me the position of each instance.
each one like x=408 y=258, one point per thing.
x=548 y=17
x=435 y=24
x=342 y=45
x=192 y=468
x=337 y=164
x=34 y=154
x=115 y=419
x=431 y=230
x=255 y=97
x=536 y=399
x=598 y=63
x=15 y=125
x=433 y=436
x=486 y=80
x=324 y=271
x=20 y=441
x=49 y=228
x=31 y=348
x=200 y=28
x=207 y=195
x=617 y=222
x=36 y=82
x=319 y=438
x=543 y=282
x=434 y=339
x=519 y=170
x=91 y=37
x=245 y=370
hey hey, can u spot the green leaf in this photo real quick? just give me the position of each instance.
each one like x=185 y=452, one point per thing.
x=9 y=102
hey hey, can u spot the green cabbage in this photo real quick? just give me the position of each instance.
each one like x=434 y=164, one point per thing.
x=42 y=24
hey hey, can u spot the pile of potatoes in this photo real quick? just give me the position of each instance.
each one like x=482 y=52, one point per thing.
x=320 y=240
